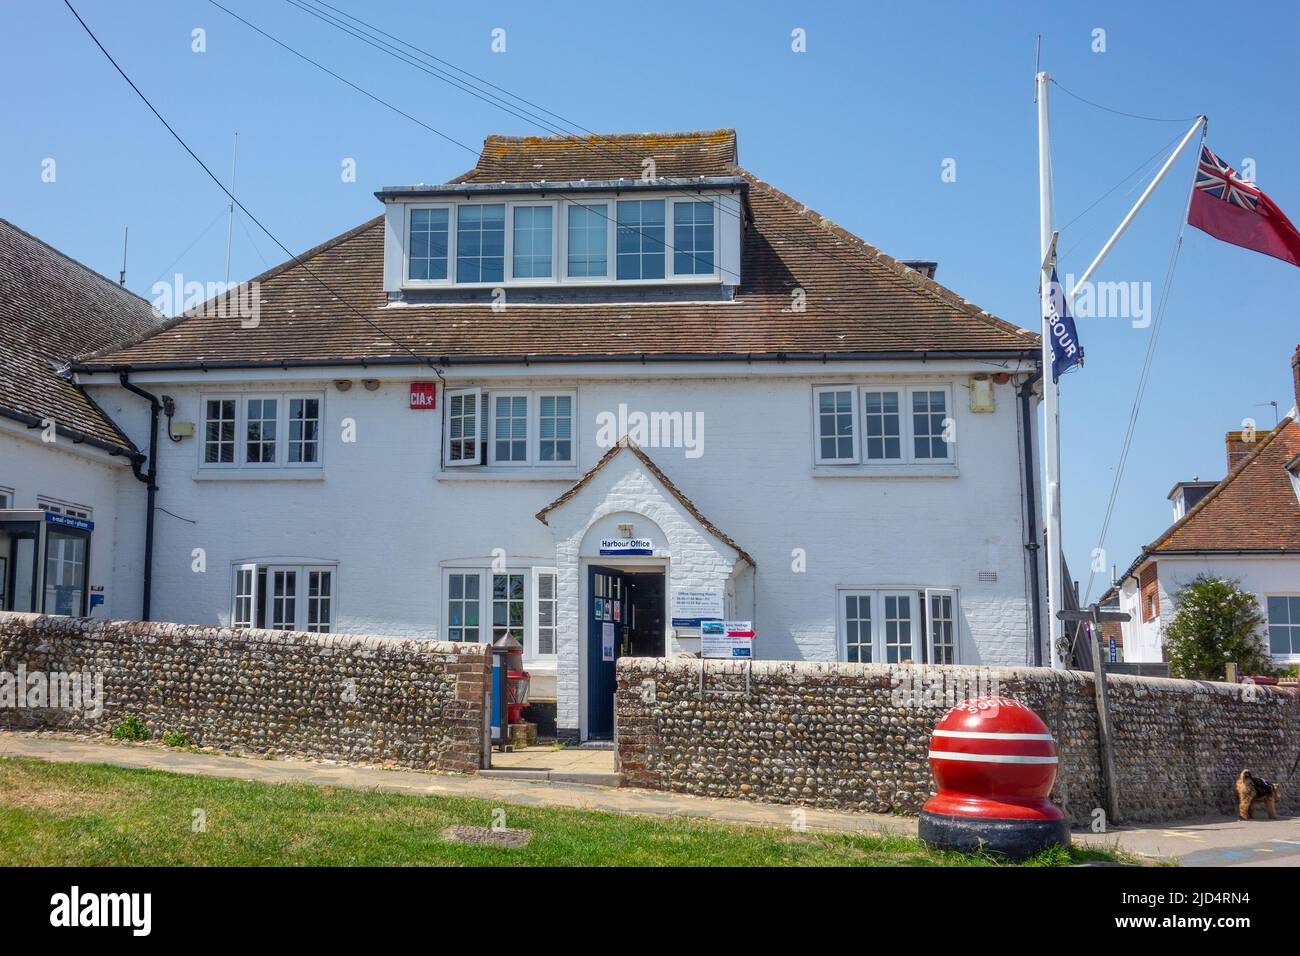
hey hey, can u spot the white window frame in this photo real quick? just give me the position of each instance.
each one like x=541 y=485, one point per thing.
x=484 y=626
x=451 y=247
x=905 y=391
x=301 y=579
x=608 y=277
x=1268 y=642
x=854 y=399
x=670 y=240
x=60 y=507
x=530 y=426
x=930 y=595
x=281 y=461
x=506 y=244
x=289 y=398
x=879 y=650
x=203 y=443
x=536 y=426
x=6 y=499
x=510 y=244
x=532 y=643
x=479 y=427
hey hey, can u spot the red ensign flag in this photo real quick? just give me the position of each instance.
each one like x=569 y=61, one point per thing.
x=1238 y=212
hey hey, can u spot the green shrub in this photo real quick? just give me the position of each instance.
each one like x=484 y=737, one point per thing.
x=130 y=727
x=176 y=738
x=1216 y=622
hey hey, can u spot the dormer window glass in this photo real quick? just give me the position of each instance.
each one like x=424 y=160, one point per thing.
x=693 y=240
x=532 y=242
x=588 y=240
x=481 y=242
x=640 y=243
x=429 y=234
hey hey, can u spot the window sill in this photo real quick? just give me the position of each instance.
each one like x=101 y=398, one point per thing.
x=255 y=474
x=505 y=473
x=946 y=470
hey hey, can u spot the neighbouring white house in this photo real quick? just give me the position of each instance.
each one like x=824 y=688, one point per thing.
x=585 y=394
x=1245 y=528
x=64 y=465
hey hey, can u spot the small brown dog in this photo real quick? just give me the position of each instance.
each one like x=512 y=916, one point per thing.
x=1252 y=790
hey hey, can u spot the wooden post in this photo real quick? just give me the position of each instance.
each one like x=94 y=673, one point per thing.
x=1231 y=672
x=1104 y=729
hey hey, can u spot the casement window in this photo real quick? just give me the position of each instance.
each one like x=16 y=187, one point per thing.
x=262 y=431
x=1284 y=626
x=532 y=242
x=483 y=605
x=555 y=429
x=284 y=597
x=871 y=425
x=640 y=244
x=895 y=626
x=929 y=425
x=304 y=431
x=55 y=506
x=481 y=242
x=464 y=600
x=941 y=625
x=837 y=436
x=545 y=587
x=509 y=428
x=694 y=238
x=220 y=421
x=588 y=241
x=260 y=421
x=428 y=242
x=6 y=499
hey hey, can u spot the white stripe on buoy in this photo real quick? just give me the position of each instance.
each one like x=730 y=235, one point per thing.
x=988 y=758
x=990 y=735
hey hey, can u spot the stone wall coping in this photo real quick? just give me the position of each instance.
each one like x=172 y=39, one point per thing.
x=97 y=629
x=817 y=670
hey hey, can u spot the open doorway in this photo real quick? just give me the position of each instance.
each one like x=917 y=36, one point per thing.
x=625 y=618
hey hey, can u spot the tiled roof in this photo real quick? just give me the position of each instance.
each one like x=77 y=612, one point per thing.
x=52 y=308
x=628 y=445
x=1254 y=508
x=515 y=159
x=858 y=300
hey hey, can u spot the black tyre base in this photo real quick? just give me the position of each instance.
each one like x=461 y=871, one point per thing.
x=1016 y=839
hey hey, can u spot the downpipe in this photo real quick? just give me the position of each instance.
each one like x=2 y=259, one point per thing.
x=1025 y=393
x=150 y=479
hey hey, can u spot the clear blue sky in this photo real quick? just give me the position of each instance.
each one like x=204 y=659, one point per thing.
x=857 y=127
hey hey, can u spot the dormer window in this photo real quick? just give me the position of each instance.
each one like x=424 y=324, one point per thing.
x=1293 y=471
x=617 y=234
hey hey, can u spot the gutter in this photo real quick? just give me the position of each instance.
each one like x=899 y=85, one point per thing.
x=78 y=437
x=150 y=480
x=1024 y=393
x=532 y=359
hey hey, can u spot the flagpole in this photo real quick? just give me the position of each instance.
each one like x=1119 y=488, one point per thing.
x=1051 y=391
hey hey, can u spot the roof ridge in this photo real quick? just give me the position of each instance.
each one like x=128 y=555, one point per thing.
x=720 y=132
x=1222 y=486
x=913 y=280
x=76 y=262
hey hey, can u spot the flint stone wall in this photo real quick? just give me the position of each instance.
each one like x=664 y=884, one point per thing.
x=855 y=736
x=407 y=703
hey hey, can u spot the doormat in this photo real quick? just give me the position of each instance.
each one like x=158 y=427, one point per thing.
x=486 y=836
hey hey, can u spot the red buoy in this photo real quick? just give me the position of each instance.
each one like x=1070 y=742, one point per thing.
x=994 y=761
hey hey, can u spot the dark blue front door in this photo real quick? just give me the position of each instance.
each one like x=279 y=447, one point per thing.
x=606 y=627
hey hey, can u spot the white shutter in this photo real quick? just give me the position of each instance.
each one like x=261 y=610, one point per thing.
x=464 y=428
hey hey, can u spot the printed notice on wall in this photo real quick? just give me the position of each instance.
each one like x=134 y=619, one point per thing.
x=691 y=607
x=607 y=642
x=727 y=639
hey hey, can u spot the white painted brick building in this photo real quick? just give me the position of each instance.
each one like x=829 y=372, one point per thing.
x=845 y=460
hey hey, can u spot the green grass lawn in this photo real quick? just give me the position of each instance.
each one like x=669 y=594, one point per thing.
x=95 y=815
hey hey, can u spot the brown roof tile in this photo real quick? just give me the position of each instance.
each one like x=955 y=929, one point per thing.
x=52 y=308
x=857 y=298
x=1254 y=508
